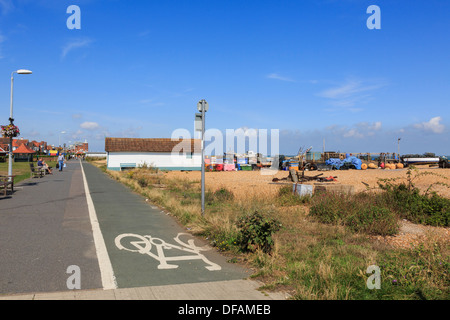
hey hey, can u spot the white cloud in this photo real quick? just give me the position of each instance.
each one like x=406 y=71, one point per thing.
x=75 y=44
x=376 y=126
x=434 y=125
x=353 y=133
x=279 y=77
x=89 y=125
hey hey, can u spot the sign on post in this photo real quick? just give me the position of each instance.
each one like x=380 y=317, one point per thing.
x=198 y=122
x=199 y=105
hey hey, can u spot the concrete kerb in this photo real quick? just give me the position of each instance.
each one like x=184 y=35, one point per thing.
x=220 y=290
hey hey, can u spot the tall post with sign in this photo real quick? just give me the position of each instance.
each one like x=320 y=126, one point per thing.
x=202 y=106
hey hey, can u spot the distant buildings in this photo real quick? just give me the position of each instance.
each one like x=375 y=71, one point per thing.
x=37 y=146
x=79 y=148
x=40 y=147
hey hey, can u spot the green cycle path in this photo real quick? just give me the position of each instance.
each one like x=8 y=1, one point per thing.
x=146 y=246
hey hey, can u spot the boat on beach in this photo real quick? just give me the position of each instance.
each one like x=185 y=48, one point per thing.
x=427 y=158
x=411 y=161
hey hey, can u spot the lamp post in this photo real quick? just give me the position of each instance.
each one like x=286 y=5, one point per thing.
x=11 y=119
x=62 y=132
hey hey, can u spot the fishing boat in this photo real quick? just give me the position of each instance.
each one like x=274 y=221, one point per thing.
x=417 y=159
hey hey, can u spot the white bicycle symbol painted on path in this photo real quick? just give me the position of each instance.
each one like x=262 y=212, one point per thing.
x=145 y=244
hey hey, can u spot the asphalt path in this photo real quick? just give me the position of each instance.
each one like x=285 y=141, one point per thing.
x=50 y=224
x=45 y=229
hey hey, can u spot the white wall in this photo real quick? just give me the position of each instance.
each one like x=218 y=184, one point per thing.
x=116 y=160
x=96 y=154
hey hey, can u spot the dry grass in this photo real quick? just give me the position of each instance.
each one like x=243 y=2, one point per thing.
x=309 y=260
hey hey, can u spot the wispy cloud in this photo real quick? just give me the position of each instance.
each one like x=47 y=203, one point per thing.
x=351 y=93
x=276 y=76
x=359 y=130
x=151 y=102
x=143 y=33
x=75 y=44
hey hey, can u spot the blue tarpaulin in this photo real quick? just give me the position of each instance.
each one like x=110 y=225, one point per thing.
x=338 y=163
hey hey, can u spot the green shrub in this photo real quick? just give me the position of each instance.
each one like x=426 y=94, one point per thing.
x=223 y=194
x=329 y=207
x=374 y=219
x=219 y=196
x=419 y=208
x=225 y=241
x=256 y=232
x=364 y=212
x=407 y=200
x=142 y=182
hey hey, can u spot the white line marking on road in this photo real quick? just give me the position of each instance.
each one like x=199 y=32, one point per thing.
x=106 y=270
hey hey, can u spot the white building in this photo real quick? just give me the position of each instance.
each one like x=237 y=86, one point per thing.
x=95 y=154
x=164 y=154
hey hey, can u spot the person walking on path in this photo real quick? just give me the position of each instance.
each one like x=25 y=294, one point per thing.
x=61 y=161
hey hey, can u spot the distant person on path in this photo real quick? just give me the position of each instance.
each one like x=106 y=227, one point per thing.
x=61 y=161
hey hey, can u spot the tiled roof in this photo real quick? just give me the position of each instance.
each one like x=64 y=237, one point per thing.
x=23 y=149
x=151 y=145
x=20 y=141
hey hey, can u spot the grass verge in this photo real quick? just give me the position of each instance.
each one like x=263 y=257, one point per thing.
x=21 y=170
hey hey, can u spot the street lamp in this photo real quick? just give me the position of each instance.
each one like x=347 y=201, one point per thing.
x=11 y=119
x=62 y=132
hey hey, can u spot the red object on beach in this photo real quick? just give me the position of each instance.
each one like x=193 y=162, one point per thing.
x=219 y=167
x=229 y=167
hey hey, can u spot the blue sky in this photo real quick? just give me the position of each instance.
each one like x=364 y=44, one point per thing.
x=311 y=69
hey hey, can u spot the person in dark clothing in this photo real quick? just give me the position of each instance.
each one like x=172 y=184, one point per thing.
x=41 y=164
